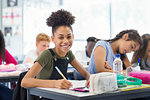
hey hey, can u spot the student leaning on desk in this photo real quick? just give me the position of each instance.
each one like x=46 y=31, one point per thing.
x=124 y=42
x=44 y=67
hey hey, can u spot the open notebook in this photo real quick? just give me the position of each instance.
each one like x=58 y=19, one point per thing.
x=78 y=85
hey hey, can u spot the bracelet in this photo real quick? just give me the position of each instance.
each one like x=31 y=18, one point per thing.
x=133 y=81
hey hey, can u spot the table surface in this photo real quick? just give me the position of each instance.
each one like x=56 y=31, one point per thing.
x=61 y=94
x=73 y=95
x=9 y=76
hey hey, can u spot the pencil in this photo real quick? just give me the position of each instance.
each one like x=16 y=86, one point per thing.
x=60 y=72
x=136 y=88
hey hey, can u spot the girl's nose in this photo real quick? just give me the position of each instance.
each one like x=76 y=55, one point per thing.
x=65 y=40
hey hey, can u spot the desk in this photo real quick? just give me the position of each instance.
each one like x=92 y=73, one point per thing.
x=9 y=76
x=9 y=79
x=58 y=94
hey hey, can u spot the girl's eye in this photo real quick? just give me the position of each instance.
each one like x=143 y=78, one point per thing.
x=69 y=37
x=60 y=37
x=132 y=47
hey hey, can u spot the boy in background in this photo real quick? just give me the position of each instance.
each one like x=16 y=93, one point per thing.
x=42 y=43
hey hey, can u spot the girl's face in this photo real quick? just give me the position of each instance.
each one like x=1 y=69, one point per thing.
x=148 y=49
x=63 y=39
x=128 y=46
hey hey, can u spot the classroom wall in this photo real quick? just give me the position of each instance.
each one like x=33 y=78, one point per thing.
x=12 y=16
x=100 y=18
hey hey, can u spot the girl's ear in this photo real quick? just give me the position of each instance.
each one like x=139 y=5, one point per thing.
x=52 y=38
x=125 y=37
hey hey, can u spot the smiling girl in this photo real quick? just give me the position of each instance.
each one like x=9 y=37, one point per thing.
x=124 y=42
x=44 y=66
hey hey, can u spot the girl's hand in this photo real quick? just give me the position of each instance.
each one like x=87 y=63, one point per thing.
x=62 y=84
x=87 y=84
x=107 y=66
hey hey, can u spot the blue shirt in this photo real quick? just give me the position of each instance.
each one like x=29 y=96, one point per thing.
x=110 y=57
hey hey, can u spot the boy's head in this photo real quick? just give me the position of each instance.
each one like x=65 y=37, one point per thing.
x=61 y=22
x=91 y=41
x=42 y=42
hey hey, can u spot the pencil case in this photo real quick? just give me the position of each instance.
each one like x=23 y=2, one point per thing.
x=103 y=82
x=143 y=75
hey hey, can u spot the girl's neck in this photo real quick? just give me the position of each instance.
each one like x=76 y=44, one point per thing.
x=59 y=53
x=114 y=46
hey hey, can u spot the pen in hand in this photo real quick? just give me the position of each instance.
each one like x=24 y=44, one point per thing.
x=139 y=62
x=70 y=85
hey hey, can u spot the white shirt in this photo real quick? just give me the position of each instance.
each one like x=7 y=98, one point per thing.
x=82 y=58
x=32 y=55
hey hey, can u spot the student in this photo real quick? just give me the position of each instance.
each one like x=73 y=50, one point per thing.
x=124 y=42
x=91 y=41
x=5 y=56
x=42 y=43
x=143 y=53
x=84 y=55
x=44 y=67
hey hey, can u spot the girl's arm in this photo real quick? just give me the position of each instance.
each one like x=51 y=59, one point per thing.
x=10 y=59
x=80 y=69
x=100 y=60
x=29 y=80
x=126 y=62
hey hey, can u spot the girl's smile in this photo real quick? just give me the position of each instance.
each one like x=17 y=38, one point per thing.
x=63 y=40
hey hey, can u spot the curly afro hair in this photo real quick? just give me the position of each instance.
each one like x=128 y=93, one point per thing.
x=59 y=18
